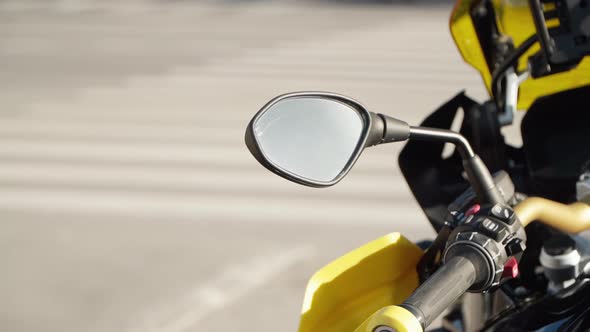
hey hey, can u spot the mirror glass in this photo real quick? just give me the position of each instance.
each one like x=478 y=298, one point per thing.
x=310 y=137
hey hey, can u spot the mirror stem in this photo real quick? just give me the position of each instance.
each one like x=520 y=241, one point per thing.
x=477 y=173
x=441 y=135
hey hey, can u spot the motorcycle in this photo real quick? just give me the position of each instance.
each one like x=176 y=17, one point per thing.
x=512 y=252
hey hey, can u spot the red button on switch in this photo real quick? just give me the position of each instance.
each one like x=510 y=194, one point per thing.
x=510 y=268
x=473 y=210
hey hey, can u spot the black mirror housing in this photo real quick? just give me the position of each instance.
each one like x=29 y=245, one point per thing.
x=255 y=147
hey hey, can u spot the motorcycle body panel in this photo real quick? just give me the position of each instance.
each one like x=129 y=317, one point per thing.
x=514 y=19
x=345 y=293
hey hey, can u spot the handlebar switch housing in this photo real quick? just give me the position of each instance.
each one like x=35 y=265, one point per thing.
x=488 y=238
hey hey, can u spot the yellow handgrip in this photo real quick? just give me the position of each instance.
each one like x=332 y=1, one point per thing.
x=573 y=218
x=391 y=318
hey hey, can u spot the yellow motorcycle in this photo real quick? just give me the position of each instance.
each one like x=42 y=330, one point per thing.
x=511 y=252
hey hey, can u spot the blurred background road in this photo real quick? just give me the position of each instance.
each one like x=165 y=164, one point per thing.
x=127 y=197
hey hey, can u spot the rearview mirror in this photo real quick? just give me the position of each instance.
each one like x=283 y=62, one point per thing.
x=309 y=138
x=314 y=138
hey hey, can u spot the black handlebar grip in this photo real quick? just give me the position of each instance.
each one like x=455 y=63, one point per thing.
x=441 y=290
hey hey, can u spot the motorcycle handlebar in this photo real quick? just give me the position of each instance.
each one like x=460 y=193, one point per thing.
x=441 y=290
x=573 y=218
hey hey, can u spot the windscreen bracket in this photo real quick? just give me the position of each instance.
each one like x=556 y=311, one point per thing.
x=564 y=33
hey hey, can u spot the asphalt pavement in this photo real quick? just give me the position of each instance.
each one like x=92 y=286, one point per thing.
x=128 y=199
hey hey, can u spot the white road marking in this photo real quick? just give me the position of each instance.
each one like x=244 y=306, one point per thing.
x=225 y=289
x=363 y=183
x=206 y=208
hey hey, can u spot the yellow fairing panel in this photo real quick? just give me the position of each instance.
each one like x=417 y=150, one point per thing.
x=344 y=293
x=466 y=39
x=514 y=19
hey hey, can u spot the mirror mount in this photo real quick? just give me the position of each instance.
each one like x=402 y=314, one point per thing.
x=385 y=129
x=477 y=172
